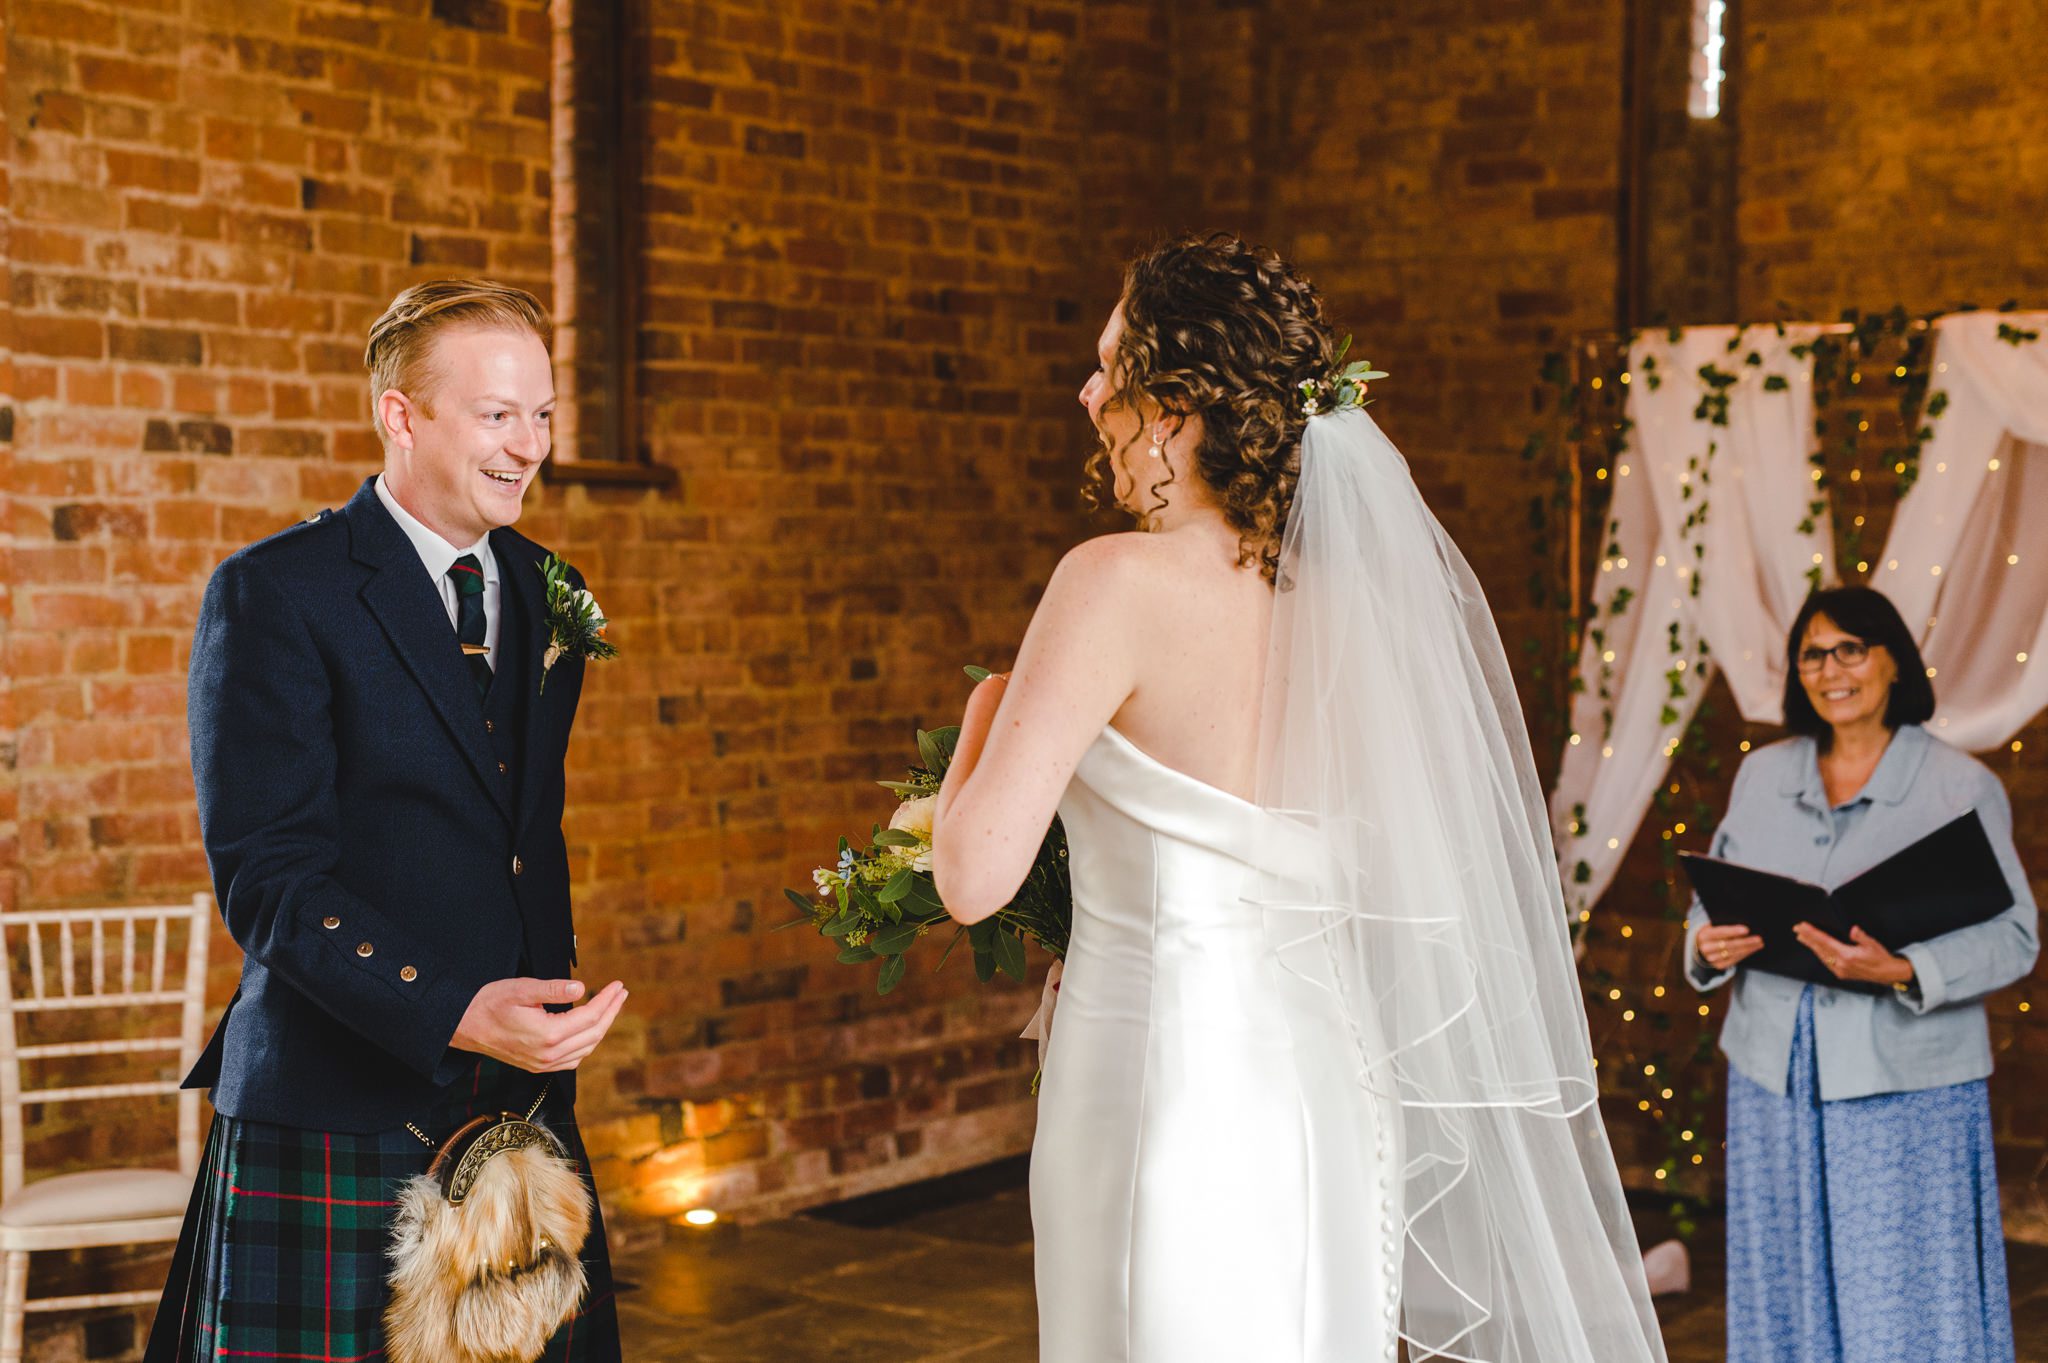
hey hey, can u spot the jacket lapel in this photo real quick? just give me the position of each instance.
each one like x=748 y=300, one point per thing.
x=412 y=615
x=525 y=626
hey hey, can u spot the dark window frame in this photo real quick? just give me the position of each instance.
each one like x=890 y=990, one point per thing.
x=599 y=130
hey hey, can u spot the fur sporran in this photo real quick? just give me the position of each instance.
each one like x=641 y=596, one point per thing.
x=486 y=1251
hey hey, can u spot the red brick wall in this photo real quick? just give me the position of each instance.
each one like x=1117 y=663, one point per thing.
x=1892 y=153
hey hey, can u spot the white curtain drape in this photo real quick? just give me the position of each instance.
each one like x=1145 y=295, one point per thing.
x=1711 y=562
x=1967 y=558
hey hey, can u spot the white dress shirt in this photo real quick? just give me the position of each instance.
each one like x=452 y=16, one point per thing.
x=439 y=556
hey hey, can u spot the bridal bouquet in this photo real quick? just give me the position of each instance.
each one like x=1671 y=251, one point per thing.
x=879 y=901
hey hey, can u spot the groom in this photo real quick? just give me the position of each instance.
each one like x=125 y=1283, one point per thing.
x=379 y=774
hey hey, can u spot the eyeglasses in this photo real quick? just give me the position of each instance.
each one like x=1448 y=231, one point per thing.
x=1849 y=653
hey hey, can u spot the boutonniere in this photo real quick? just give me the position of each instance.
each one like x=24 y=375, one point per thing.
x=575 y=625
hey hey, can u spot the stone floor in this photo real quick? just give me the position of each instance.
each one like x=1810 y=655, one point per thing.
x=942 y=1274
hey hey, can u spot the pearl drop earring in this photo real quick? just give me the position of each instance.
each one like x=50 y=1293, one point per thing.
x=1158 y=450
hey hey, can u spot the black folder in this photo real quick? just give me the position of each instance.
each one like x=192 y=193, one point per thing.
x=1949 y=879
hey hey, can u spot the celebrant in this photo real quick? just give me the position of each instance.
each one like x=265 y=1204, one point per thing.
x=1863 y=1216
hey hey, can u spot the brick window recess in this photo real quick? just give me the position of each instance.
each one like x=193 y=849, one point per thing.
x=598 y=127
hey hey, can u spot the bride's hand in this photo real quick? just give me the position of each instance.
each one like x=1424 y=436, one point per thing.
x=985 y=699
x=980 y=717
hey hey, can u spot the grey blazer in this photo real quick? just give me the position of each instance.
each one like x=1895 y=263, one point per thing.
x=1931 y=1035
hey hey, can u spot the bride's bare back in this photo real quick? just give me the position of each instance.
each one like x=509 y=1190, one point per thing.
x=1202 y=622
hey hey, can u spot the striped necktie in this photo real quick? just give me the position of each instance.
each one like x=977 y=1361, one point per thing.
x=468 y=576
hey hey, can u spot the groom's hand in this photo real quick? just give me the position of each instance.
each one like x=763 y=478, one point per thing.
x=508 y=1020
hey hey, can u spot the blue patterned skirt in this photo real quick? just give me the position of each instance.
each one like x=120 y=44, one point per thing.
x=1865 y=1230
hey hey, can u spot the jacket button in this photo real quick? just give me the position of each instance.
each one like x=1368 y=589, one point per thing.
x=365 y=949
x=518 y=866
x=408 y=974
x=501 y=769
x=330 y=922
x=489 y=727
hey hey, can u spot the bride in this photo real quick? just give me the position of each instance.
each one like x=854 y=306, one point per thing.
x=1319 y=1079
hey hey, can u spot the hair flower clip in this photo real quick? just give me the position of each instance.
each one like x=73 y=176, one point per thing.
x=1342 y=390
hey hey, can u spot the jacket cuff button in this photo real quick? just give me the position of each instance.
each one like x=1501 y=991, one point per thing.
x=365 y=949
x=330 y=922
x=408 y=974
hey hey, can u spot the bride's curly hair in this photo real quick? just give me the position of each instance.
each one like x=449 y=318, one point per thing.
x=1218 y=328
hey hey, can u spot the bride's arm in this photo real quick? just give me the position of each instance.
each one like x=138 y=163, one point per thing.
x=1021 y=740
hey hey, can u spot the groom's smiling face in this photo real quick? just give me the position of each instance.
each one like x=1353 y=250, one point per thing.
x=461 y=455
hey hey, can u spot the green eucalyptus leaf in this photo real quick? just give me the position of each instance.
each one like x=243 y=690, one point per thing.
x=856 y=955
x=895 y=837
x=895 y=939
x=898 y=886
x=891 y=976
x=922 y=896
x=1009 y=953
x=984 y=966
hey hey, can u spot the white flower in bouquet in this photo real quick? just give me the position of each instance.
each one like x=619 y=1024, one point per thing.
x=915 y=816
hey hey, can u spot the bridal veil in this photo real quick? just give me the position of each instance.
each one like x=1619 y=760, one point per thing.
x=1391 y=729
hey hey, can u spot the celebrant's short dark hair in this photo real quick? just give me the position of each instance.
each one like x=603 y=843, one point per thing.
x=1869 y=615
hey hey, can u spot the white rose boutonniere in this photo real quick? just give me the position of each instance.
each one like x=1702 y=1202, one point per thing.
x=575 y=625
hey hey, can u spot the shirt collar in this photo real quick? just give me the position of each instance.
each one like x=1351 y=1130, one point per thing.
x=436 y=553
x=1888 y=784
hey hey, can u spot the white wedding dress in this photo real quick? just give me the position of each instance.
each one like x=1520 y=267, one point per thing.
x=1199 y=1173
x=1319 y=1078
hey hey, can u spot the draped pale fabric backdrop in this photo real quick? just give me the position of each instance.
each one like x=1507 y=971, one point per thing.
x=1716 y=590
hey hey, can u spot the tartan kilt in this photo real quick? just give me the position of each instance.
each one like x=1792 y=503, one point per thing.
x=284 y=1251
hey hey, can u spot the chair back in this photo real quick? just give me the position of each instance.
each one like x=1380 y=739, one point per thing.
x=107 y=959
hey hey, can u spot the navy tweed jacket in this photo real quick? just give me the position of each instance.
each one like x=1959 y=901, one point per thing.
x=370 y=857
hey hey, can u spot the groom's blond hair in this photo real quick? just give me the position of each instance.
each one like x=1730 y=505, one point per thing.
x=401 y=349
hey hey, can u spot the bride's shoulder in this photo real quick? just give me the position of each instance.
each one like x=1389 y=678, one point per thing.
x=1108 y=576
x=1130 y=561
